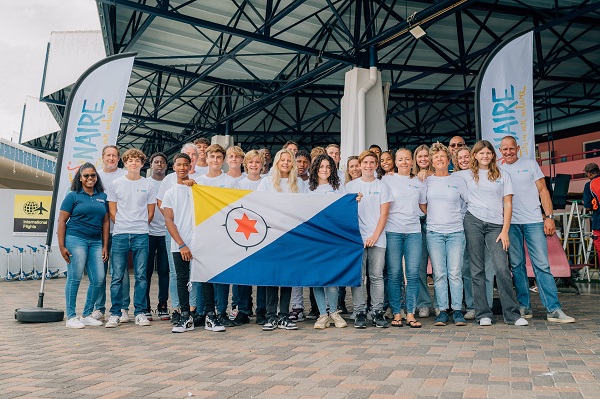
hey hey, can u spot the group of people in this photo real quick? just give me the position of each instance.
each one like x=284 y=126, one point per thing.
x=453 y=206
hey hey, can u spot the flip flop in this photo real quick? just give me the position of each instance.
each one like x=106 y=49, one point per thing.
x=397 y=323
x=413 y=324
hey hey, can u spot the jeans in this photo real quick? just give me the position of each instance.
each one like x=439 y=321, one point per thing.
x=101 y=298
x=399 y=246
x=490 y=273
x=481 y=236
x=423 y=299
x=244 y=294
x=222 y=297
x=298 y=298
x=261 y=300
x=373 y=261
x=533 y=235
x=121 y=246
x=183 y=277
x=157 y=250
x=332 y=294
x=273 y=296
x=446 y=252
x=467 y=281
x=196 y=297
x=172 y=274
x=85 y=255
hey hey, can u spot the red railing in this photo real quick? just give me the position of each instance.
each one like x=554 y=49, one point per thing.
x=569 y=157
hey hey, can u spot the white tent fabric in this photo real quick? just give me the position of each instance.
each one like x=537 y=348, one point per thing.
x=38 y=121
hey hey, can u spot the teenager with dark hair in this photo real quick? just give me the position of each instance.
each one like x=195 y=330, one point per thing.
x=83 y=241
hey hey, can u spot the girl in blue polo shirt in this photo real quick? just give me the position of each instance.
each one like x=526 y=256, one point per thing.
x=83 y=241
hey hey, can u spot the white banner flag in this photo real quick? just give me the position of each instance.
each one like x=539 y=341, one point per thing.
x=504 y=98
x=92 y=121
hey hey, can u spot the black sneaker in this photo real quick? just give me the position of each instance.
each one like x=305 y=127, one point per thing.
x=162 y=312
x=241 y=318
x=286 y=324
x=224 y=320
x=261 y=319
x=175 y=316
x=212 y=323
x=186 y=323
x=342 y=307
x=271 y=324
x=361 y=320
x=313 y=314
x=198 y=318
x=379 y=320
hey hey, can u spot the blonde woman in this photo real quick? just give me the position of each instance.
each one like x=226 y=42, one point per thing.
x=352 y=168
x=486 y=224
x=284 y=179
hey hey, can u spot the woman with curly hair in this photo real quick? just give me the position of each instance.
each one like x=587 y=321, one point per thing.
x=83 y=241
x=284 y=179
x=324 y=179
x=403 y=234
x=486 y=225
x=386 y=164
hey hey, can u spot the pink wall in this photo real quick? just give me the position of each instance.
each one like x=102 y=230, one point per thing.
x=571 y=145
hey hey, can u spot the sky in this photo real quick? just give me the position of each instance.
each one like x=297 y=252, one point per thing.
x=25 y=28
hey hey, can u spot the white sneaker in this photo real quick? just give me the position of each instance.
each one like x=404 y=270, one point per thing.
x=558 y=316
x=521 y=322
x=423 y=312
x=322 y=322
x=74 y=322
x=90 y=321
x=470 y=315
x=338 y=320
x=124 y=316
x=485 y=321
x=98 y=315
x=142 y=320
x=113 y=321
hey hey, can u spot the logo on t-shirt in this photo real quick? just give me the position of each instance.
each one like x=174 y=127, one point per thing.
x=374 y=192
x=451 y=186
x=141 y=191
x=413 y=186
x=523 y=171
x=100 y=200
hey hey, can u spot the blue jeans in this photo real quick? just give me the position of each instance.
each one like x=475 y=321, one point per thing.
x=446 y=252
x=373 y=261
x=221 y=297
x=172 y=275
x=196 y=298
x=101 y=298
x=533 y=235
x=122 y=244
x=332 y=294
x=85 y=255
x=467 y=281
x=407 y=246
x=423 y=299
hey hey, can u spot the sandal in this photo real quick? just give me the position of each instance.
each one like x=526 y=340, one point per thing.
x=413 y=324
x=397 y=322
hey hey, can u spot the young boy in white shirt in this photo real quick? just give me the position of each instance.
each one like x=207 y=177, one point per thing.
x=131 y=204
x=234 y=156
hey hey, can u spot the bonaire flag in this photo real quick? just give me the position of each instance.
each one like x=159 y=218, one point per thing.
x=275 y=239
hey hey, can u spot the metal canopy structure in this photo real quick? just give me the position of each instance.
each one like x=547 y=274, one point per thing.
x=266 y=71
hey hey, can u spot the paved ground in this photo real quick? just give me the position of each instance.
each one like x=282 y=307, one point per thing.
x=543 y=360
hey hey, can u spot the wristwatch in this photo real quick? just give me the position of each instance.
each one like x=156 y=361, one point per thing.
x=550 y=217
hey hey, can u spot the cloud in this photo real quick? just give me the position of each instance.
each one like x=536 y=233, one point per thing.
x=25 y=28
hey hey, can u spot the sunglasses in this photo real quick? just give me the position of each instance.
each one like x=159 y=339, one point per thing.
x=456 y=144
x=89 y=175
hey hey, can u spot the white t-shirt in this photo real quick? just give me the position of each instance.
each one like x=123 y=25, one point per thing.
x=342 y=177
x=486 y=198
x=200 y=170
x=132 y=198
x=179 y=198
x=266 y=185
x=375 y=194
x=171 y=180
x=157 y=226
x=223 y=181
x=107 y=179
x=241 y=177
x=446 y=196
x=247 y=184
x=526 y=200
x=328 y=189
x=404 y=211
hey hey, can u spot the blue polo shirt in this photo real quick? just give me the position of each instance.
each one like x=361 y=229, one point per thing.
x=87 y=213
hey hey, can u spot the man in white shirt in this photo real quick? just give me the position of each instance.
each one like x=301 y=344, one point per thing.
x=200 y=162
x=109 y=172
x=528 y=227
x=131 y=204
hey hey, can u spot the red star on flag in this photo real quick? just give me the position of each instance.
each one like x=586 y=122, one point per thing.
x=246 y=226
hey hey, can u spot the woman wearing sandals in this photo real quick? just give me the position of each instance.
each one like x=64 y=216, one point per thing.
x=486 y=224
x=403 y=235
x=322 y=180
x=446 y=197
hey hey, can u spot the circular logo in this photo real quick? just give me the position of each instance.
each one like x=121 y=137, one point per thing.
x=245 y=227
x=31 y=207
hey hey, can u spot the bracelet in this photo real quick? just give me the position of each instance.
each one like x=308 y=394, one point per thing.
x=183 y=245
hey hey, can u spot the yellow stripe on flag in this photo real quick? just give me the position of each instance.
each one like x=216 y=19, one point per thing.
x=210 y=200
